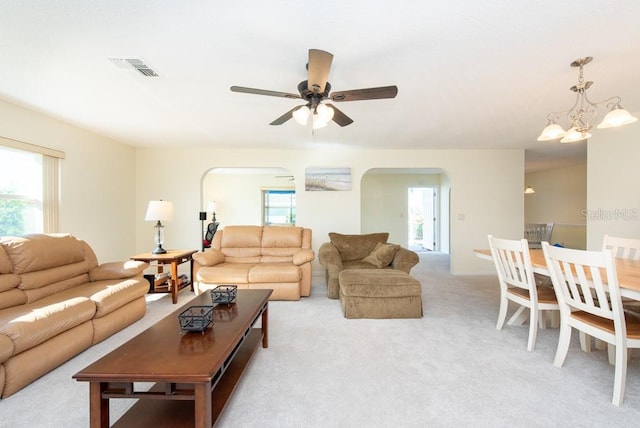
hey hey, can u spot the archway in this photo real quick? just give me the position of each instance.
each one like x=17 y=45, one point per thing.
x=385 y=203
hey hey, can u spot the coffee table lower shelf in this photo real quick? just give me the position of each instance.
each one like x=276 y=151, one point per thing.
x=180 y=413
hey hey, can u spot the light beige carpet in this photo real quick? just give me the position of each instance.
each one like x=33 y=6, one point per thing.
x=451 y=368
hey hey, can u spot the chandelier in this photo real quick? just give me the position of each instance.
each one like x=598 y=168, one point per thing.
x=583 y=112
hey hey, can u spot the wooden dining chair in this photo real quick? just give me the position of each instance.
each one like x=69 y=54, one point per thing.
x=586 y=284
x=517 y=284
x=624 y=248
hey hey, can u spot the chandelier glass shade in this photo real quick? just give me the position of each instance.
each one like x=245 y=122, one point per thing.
x=583 y=111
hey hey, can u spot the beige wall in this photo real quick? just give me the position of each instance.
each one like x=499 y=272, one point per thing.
x=238 y=194
x=561 y=198
x=385 y=202
x=106 y=186
x=613 y=196
x=97 y=180
x=482 y=201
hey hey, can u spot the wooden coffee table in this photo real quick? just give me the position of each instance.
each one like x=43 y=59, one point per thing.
x=195 y=373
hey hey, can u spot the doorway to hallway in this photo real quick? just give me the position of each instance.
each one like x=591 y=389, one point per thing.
x=422 y=218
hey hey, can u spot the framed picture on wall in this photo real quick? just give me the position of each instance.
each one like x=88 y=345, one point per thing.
x=327 y=179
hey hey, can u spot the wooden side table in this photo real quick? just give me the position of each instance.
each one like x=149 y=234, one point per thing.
x=174 y=258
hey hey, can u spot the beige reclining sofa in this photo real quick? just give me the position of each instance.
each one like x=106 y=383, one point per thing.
x=257 y=257
x=56 y=301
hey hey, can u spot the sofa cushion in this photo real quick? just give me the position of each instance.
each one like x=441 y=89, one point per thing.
x=240 y=244
x=118 y=270
x=281 y=237
x=110 y=295
x=6 y=348
x=225 y=273
x=382 y=255
x=38 y=252
x=12 y=297
x=32 y=324
x=354 y=247
x=8 y=281
x=57 y=285
x=209 y=257
x=274 y=272
x=5 y=261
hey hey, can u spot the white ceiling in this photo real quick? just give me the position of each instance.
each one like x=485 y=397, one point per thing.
x=471 y=74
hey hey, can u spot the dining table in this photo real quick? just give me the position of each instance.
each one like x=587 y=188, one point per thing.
x=628 y=271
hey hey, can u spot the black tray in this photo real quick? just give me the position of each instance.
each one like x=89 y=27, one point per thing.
x=225 y=293
x=196 y=318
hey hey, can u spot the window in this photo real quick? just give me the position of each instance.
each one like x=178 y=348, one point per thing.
x=279 y=207
x=28 y=188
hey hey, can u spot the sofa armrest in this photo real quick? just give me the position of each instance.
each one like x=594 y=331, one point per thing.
x=303 y=256
x=329 y=256
x=117 y=270
x=209 y=257
x=405 y=259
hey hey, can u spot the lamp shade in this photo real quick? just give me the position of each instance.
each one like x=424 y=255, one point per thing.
x=325 y=112
x=211 y=207
x=301 y=115
x=574 y=136
x=616 y=117
x=552 y=131
x=159 y=211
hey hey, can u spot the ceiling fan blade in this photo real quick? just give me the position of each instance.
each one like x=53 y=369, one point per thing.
x=339 y=117
x=318 y=69
x=365 y=94
x=282 y=119
x=263 y=92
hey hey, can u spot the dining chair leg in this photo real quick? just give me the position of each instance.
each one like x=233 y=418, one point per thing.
x=585 y=342
x=601 y=345
x=554 y=319
x=564 y=340
x=611 y=351
x=533 y=330
x=502 y=313
x=620 y=376
x=542 y=319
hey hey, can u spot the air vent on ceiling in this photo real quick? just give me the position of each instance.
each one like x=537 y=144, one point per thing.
x=134 y=64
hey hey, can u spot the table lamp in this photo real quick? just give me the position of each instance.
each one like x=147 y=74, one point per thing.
x=211 y=208
x=159 y=211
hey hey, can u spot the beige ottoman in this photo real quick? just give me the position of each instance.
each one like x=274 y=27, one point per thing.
x=379 y=293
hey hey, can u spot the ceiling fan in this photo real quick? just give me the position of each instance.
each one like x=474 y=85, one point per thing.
x=315 y=90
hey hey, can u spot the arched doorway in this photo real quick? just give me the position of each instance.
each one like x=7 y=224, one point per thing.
x=387 y=206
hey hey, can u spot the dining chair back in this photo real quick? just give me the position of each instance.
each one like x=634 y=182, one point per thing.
x=625 y=248
x=535 y=233
x=517 y=284
x=586 y=285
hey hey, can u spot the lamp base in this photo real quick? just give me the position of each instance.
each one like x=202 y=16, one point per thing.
x=159 y=250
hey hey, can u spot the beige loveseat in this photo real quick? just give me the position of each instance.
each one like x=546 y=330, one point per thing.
x=56 y=301
x=368 y=251
x=258 y=257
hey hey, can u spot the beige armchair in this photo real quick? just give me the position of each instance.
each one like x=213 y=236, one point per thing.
x=367 y=251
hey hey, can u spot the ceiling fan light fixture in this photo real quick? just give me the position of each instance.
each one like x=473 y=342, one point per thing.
x=617 y=116
x=319 y=122
x=552 y=131
x=574 y=136
x=325 y=112
x=302 y=115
